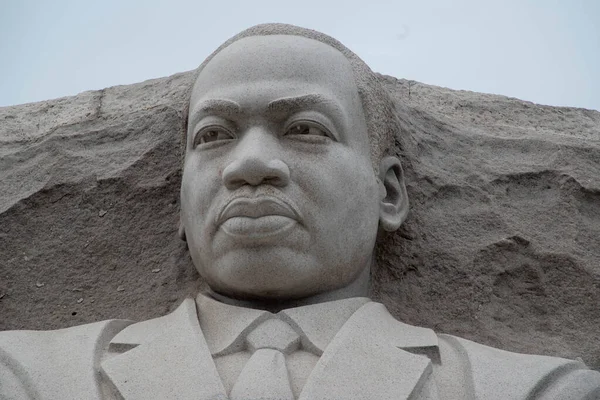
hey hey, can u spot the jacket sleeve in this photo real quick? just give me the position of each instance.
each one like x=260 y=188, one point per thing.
x=489 y=373
x=580 y=384
x=59 y=364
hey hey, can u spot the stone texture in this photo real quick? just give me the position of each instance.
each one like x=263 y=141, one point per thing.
x=504 y=223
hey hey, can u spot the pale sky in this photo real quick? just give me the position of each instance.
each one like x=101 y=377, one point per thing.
x=545 y=51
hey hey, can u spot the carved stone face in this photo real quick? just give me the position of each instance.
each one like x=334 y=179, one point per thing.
x=279 y=198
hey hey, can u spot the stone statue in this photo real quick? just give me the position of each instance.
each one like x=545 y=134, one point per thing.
x=289 y=179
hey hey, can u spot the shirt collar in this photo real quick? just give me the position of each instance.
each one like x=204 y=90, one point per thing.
x=225 y=326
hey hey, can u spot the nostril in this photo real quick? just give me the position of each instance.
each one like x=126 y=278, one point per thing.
x=235 y=183
x=255 y=171
x=279 y=173
x=273 y=180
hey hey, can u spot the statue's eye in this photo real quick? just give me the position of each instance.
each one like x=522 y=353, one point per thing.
x=303 y=128
x=212 y=134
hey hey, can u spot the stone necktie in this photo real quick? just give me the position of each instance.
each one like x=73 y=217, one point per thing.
x=265 y=375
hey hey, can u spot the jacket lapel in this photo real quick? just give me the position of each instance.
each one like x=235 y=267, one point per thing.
x=375 y=356
x=164 y=358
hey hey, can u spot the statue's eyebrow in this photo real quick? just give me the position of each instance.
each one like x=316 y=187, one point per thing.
x=289 y=105
x=220 y=107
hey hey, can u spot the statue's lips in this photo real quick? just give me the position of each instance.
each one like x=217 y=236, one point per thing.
x=257 y=217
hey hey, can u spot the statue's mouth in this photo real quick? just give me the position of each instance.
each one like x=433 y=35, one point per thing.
x=257 y=216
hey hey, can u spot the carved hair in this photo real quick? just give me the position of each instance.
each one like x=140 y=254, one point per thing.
x=382 y=122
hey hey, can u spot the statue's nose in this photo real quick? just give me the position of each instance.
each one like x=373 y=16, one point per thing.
x=256 y=161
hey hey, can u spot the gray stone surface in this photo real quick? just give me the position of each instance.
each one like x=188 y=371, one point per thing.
x=505 y=215
x=291 y=187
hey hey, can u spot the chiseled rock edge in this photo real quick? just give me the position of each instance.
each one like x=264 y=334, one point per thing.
x=505 y=214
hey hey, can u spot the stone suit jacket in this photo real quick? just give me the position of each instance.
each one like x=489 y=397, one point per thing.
x=373 y=356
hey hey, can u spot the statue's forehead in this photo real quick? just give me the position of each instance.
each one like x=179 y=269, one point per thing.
x=276 y=58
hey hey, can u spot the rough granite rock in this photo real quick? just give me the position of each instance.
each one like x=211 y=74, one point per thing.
x=502 y=245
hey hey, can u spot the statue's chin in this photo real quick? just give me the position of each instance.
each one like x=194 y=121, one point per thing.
x=270 y=274
x=266 y=284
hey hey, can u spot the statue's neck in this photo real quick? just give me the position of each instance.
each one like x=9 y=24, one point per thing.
x=358 y=288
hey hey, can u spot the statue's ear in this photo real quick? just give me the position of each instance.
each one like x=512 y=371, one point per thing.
x=393 y=206
x=181 y=231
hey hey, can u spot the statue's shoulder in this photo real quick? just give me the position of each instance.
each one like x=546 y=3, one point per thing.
x=53 y=363
x=145 y=331
x=65 y=363
x=492 y=373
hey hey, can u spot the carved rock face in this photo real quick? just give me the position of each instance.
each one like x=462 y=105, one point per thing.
x=279 y=198
x=504 y=221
